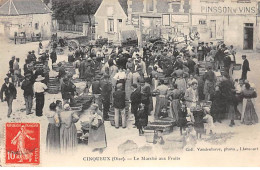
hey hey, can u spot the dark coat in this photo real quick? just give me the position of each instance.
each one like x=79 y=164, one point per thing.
x=67 y=90
x=119 y=99
x=106 y=89
x=27 y=87
x=245 y=66
x=9 y=91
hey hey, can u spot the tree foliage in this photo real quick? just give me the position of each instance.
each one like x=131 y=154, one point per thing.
x=68 y=9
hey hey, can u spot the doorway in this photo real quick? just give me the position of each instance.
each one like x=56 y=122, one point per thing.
x=248 y=36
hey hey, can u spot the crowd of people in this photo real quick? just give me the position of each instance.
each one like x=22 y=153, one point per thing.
x=194 y=86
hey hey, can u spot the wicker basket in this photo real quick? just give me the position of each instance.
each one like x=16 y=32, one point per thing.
x=164 y=126
x=149 y=135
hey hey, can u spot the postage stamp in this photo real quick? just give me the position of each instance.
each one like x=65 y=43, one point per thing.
x=22 y=143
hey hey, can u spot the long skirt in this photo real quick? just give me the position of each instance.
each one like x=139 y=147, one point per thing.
x=174 y=109
x=97 y=138
x=250 y=116
x=161 y=102
x=208 y=88
x=231 y=112
x=128 y=89
x=68 y=138
x=53 y=138
x=150 y=104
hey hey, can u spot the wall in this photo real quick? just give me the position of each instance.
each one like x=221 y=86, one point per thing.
x=26 y=23
x=109 y=10
x=230 y=19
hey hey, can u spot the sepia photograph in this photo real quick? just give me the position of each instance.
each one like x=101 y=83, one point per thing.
x=129 y=83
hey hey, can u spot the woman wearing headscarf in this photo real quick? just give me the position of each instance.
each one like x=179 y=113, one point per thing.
x=161 y=100
x=97 y=134
x=128 y=83
x=53 y=131
x=174 y=96
x=250 y=116
x=68 y=131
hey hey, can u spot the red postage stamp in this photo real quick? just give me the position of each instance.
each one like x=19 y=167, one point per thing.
x=22 y=143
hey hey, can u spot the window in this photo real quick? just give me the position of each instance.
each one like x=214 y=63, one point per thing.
x=36 y=26
x=249 y=25
x=213 y=29
x=150 y=5
x=110 y=25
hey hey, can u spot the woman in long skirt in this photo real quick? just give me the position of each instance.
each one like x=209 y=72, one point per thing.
x=97 y=134
x=250 y=116
x=128 y=83
x=68 y=130
x=161 y=100
x=175 y=106
x=53 y=131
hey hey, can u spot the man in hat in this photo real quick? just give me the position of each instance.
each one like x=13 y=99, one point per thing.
x=53 y=56
x=68 y=90
x=39 y=89
x=27 y=87
x=145 y=96
x=106 y=89
x=17 y=72
x=227 y=63
x=33 y=56
x=119 y=105
x=10 y=94
x=245 y=68
x=200 y=52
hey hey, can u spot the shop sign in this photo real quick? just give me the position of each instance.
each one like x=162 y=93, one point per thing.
x=180 y=18
x=226 y=9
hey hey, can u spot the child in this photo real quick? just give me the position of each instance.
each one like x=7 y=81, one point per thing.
x=189 y=139
x=198 y=124
x=141 y=119
x=182 y=121
x=209 y=125
x=163 y=113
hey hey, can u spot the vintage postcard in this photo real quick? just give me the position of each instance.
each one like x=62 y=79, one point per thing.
x=93 y=83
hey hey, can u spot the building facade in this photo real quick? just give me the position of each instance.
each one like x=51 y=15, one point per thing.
x=232 y=21
x=111 y=20
x=160 y=18
x=31 y=17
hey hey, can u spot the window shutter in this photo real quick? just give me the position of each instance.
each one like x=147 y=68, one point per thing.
x=105 y=25
x=115 y=25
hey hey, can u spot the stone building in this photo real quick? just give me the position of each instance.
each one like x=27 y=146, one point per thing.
x=232 y=21
x=160 y=18
x=112 y=21
x=28 y=16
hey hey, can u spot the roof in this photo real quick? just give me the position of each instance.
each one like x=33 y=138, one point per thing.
x=116 y=3
x=124 y=5
x=23 y=7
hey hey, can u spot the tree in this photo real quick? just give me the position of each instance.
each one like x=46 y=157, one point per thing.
x=68 y=9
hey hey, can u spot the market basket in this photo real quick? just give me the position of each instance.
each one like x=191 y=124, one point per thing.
x=149 y=134
x=164 y=126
